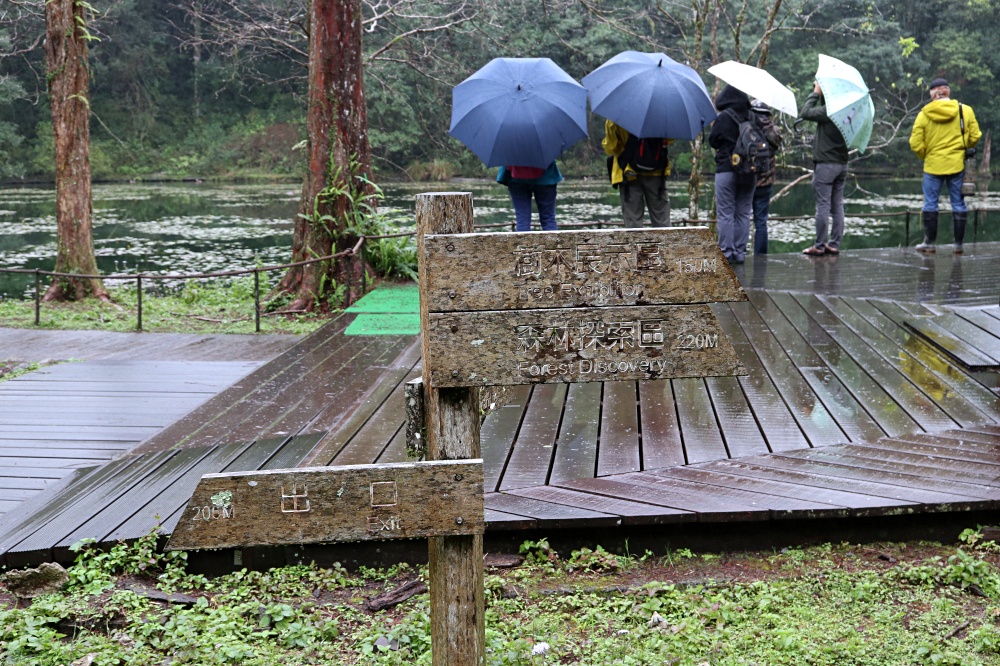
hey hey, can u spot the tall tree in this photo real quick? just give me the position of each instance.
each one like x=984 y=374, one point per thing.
x=68 y=73
x=336 y=184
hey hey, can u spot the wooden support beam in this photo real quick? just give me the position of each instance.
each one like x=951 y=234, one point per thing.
x=458 y=628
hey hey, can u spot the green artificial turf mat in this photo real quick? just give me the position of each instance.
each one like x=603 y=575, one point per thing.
x=395 y=300
x=385 y=324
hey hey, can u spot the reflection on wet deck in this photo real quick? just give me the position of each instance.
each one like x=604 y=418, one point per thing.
x=844 y=413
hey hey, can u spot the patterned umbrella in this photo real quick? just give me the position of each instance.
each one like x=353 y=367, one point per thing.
x=848 y=101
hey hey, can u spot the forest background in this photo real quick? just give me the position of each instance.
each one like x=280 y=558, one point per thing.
x=217 y=88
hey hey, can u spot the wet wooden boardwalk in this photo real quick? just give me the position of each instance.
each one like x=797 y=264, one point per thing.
x=845 y=414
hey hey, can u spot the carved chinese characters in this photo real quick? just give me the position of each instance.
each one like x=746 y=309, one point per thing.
x=328 y=504
x=518 y=308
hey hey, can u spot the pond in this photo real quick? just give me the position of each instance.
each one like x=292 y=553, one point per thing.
x=205 y=227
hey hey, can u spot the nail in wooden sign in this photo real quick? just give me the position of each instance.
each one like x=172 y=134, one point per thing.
x=331 y=504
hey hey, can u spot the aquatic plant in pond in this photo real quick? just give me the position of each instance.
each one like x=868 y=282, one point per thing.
x=192 y=228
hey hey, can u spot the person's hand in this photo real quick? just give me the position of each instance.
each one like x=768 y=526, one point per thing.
x=816 y=88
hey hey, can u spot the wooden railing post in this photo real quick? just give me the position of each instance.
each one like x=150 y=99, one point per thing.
x=458 y=635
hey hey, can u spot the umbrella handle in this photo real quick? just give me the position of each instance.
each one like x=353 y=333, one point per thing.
x=795 y=125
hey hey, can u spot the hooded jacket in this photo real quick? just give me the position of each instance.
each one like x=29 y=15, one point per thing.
x=937 y=137
x=726 y=129
x=615 y=137
x=829 y=144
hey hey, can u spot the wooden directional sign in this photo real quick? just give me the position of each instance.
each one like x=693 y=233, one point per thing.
x=578 y=345
x=330 y=504
x=575 y=306
x=571 y=269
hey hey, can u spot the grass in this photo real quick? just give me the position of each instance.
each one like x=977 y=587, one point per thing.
x=832 y=604
x=197 y=308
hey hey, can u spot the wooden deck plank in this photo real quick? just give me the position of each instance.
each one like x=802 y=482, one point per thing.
x=63 y=507
x=342 y=423
x=848 y=468
x=576 y=450
x=829 y=502
x=935 y=452
x=215 y=417
x=886 y=398
x=502 y=521
x=530 y=460
x=661 y=436
x=981 y=341
x=987 y=320
x=832 y=478
x=739 y=427
x=702 y=438
x=498 y=434
x=549 y=514
x=916 y=353
x=797 y=390
x=83 y=521
x=386 y=419
x=618 y=448
x=778 y=426
x=395 y=452
x=953 y=404
x=943 y=339
x=351 y=381
x=693 y=499
x=959 y=439
x=914 y=464
x=631 y=513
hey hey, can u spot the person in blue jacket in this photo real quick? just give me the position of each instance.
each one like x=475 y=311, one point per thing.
x=523 y=183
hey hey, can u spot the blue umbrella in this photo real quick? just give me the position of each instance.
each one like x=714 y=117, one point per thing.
x=519 y=112
x=651 y=95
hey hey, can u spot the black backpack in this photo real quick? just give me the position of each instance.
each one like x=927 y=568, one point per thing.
x=751 y=152
x=645 y=155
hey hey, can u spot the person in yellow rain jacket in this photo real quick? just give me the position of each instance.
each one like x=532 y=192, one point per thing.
x=944 y=132
x=638 y=169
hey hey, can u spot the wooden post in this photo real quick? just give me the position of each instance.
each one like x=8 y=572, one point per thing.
x=458 y=636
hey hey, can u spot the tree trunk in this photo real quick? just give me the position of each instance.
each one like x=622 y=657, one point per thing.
x=336 y=181
x=69 y=94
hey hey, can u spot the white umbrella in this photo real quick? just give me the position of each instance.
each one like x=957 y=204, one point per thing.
x=757 y=83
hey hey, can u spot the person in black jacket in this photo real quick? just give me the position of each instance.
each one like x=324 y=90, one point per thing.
x=733 y=193
x=765 y=179
x=829 y=175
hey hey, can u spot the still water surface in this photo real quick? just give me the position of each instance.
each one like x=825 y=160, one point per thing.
x=189 y=228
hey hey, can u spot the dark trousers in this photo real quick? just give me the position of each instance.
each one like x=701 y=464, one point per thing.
x=545 y=198
x=761 y=208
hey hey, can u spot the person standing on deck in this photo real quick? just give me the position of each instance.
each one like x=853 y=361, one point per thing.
x=733 y=193
x=829 y=175
x=765 y=180
x=638 y=169
x=523 y=183
x=944 y=132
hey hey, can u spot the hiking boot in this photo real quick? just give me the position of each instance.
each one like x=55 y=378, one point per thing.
x=831 y=250
x=959 y=249
x=814 y=251
x=930 y=220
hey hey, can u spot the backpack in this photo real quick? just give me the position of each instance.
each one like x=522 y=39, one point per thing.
x=645 y=155
x=751 y=152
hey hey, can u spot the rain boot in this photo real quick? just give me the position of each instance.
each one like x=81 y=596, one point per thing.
x=959 y=218
x=930 y=219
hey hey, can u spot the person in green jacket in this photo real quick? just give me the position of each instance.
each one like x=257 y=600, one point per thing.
x=829 y=175
x=943 y=132
x=639 y=188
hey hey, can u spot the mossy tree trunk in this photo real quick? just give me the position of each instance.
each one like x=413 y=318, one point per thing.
x=69 y=94
x=339 y=157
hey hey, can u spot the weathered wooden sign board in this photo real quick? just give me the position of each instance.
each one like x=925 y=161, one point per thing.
x=571 y=269
x=588 y=344
x=331 y=504
x=576 y=306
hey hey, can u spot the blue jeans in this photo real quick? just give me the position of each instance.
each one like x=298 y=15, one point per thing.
x=761 y=207
x=932 y=191
x=733 y=207
x=545 y=198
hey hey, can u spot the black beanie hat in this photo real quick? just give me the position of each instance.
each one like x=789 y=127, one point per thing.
x=937 y=83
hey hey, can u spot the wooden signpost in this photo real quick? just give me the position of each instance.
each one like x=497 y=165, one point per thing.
x=495 y=309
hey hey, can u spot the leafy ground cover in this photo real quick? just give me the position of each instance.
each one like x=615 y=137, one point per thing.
x=843 y=604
